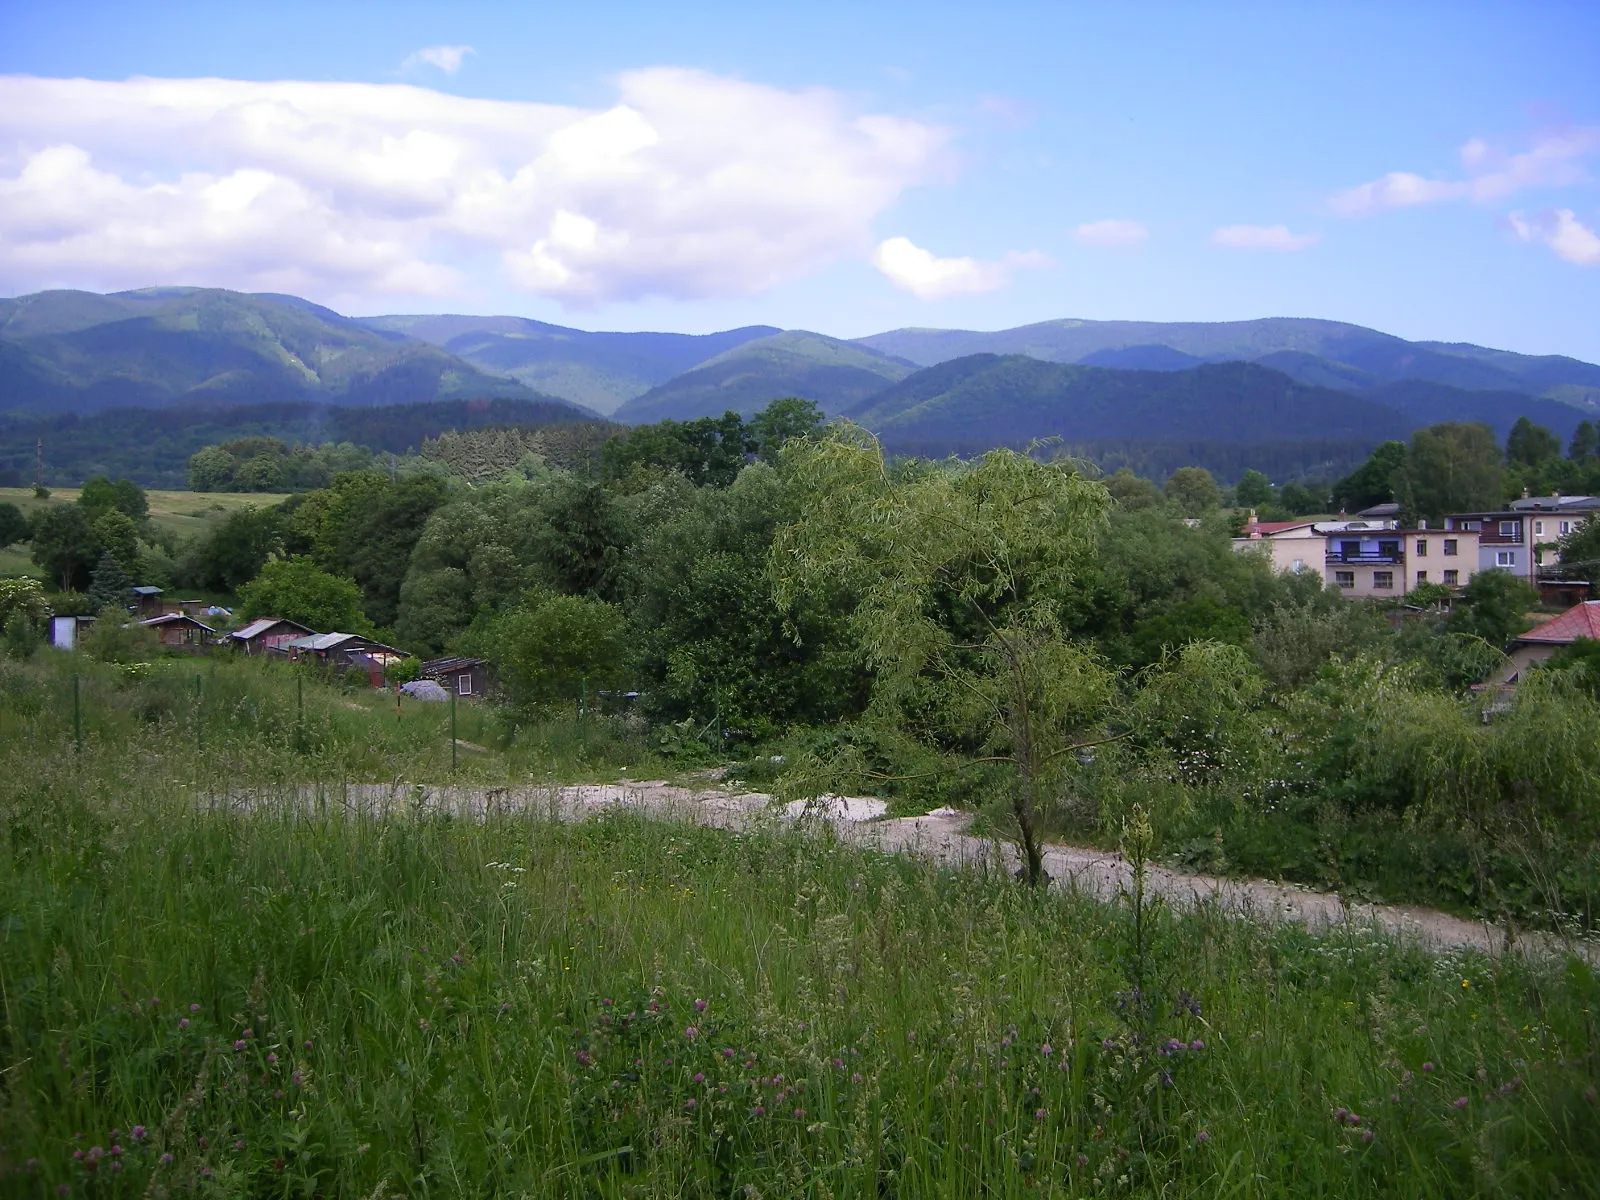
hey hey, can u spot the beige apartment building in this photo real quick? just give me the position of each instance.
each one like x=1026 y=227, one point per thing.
x=1369 y=557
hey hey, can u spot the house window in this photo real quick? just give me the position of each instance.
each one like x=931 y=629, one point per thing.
x=1422 y=547
x=1509 y=529
x=1345 y=578
x=464 y=684
x=1505 y=558
x=1383 y=579
x=1450 y=547
x=1422 y=577
x=1451 y=578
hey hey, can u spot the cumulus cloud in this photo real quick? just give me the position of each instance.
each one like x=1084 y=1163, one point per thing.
x=928 y=277
x=690 y=185
x=1262 y=237
x=447 y=58
x=1111 y=232
x=1562 y=232
x=1553 y=160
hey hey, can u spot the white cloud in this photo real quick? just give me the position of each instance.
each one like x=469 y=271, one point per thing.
x=1560 y=230
x=447 y=58
x=1111 y=232
x=927 y=277
x=1553 y=160
x=689 y=185
x=1262 y=237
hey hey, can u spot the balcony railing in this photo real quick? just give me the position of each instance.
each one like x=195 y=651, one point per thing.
x=1365 y=556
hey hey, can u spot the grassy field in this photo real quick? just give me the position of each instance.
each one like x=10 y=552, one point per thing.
x=289 y=1002
x=180 y=514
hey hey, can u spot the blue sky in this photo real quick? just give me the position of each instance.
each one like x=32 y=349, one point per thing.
x=1428 y=169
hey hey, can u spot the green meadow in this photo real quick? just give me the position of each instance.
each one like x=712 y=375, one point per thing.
x=280 y=998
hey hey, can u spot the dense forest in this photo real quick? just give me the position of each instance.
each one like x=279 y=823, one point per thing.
x=780 y=587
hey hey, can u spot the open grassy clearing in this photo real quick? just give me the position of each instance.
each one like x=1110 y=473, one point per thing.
x=181 y=514
x=299 y=1003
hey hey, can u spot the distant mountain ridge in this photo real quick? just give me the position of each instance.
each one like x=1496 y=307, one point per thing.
x=601 y=371
x=836 y=374
x=1312 y=350
x=81 y=352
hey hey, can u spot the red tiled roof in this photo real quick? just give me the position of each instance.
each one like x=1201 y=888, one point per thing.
x=1579 y=621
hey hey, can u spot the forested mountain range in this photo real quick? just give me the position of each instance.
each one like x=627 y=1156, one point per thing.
x=218 y=364
x=598 y=370
x=78 y=352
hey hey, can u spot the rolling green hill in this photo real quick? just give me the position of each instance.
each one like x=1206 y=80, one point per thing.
x=152 y=446
x=745 y=379
x=970 y=404
x=601 y=371
x=1324 y=353
x=81 y=352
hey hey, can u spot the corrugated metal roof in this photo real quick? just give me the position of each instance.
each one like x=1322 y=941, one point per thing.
x=1579 y=621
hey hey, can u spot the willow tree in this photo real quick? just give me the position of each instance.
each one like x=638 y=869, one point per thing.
x=958 y=573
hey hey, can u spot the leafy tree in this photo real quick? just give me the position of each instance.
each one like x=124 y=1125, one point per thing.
x=63 y=545
x=1373 y=482
x=1130 y=491
x=549 y=649
x=1253 y=489
x=1451 y=467
x=116 y=534
x=239 y=547
x=708 y=451
x=296 y=589
x=1193 y=490
x=1585 y=443
x=1580 y=550
x=99 y=495
x=1493 y=606
x=109 y=586
x=1298 y=500
x=22 y=597
x=210 y=470
x=957 y=569
x=783 y=421
x=709 y=638
x=1531 y=445
x=13 y=525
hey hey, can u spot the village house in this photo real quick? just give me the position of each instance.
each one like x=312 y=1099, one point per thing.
x=1539 y=643
x=1368 y=555
x=267 y=634
x=346 y=651
x=179 y=629
x=463 y=676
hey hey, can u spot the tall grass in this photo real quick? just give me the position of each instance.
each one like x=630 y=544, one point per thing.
x=278 y=1002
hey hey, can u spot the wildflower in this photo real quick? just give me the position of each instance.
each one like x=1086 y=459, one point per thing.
x=691 y=1033
x=699 y=1006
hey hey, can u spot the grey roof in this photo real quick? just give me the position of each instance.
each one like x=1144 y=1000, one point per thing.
x=177 y=619
x=261 y=624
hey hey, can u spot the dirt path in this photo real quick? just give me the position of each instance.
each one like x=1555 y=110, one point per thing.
x=941 y=836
